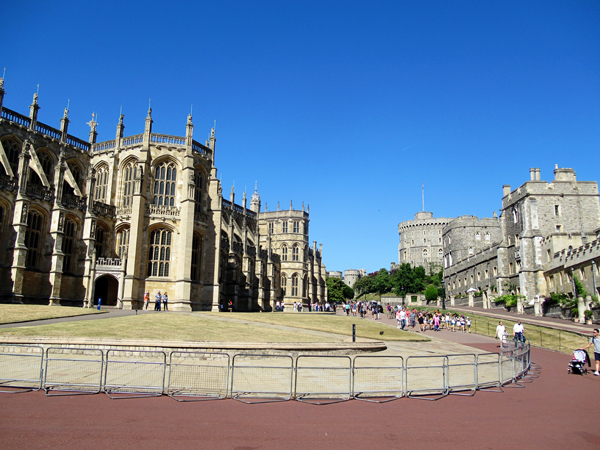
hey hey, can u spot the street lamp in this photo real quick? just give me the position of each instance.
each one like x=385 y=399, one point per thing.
x=443 y=296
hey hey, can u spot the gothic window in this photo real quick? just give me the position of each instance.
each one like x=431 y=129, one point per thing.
x=11 y=148
x=284 y=253
x=470 y=250
x=471 y=278
x=67 y=245
x=510 y=268
x=76 y=172
x=128 y=177
x=478 y=276
x=478 y=236
x=270 y=227
x=296 y=227
x=450 y=257
x=122 y=243
x=165 y=178
x=160 y=253
x=440 y=253
x=487 y=236
x=283 y=283
x=295 y=253
x=295 y=285
x=47 y=166
x=196 y=257
x=515 y=215
x=557 y=210
x=100 y=242
x=487 y=274
x=495 y=271
x=198 y=191
x=33 y=238
x=101 y=185
x=284 y=227
x=404 y=258
x=424 y=253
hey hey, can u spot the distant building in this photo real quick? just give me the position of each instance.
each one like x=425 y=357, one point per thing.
x=421 y=241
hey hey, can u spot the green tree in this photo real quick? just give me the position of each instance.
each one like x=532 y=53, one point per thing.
x=382 y=282
x=336 y=290
x=365 y=285
x=402 y=279
x=431 y=293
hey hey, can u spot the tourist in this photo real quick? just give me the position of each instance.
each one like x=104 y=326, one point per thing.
x=501 y=333
x=518 y=333
x=146 y=300
x=157 y=299
x=165 y=301
x=412 y=318
x=230 y=305
x=453 y=323
x=398 y=319
x=402 y=318
x=277 y=306
x=448 y=321
x=468 y=324
x=596 y=341
x=421 y=321
x=436 y=322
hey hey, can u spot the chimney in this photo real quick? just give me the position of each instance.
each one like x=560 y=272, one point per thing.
x=505 y=190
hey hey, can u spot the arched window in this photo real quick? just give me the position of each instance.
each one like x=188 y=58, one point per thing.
x=101 y=185
x=128 y=177
x=33 y=238
x=100 y=242
x=424 y=253
x=283 y=283
x=295 y=253
x=284 y=253
x=67 y=245
x=165 y=178
x=48 y=168
x=487 y=236
x=122 y=243
x=470 y=250
x=440 y=253
x=76 y=172
x=198 y=191
x=160 y=253
x=196 y=257
x=295 y=285
x=11 y=148
x=478 y=236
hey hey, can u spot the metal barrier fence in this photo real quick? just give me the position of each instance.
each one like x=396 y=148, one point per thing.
x=21 y=368
x=378 y=378
x=134 y=373
x=256 y=378
x=73 y=371
x=198 y=376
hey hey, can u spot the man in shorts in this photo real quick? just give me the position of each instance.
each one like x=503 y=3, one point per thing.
x=596 y=341
x=146 y=300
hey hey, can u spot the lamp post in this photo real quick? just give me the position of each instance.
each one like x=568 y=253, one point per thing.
x=444 y=295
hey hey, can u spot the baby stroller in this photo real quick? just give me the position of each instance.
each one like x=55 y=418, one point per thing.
x=577 y=364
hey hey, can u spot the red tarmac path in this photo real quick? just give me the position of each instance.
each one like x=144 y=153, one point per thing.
x=557 y=410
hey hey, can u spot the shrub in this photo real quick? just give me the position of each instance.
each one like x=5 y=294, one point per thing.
x=588 y=313
x=508 y=300
x=581 y=292
x=431 y=293
x=575 y=311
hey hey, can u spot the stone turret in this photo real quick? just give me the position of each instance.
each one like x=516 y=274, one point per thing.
x=255 y=200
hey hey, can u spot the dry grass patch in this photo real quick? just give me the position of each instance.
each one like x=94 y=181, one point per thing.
x=164 y=327
x=26 y=313
x=365 y=328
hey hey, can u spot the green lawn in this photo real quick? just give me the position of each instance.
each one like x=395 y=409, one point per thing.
x=365 y=328
x=24 y=313
x=171 y=327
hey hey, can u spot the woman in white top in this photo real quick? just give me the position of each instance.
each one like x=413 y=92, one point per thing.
x=501 y=334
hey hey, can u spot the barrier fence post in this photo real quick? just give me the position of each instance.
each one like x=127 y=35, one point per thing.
x=353 y=332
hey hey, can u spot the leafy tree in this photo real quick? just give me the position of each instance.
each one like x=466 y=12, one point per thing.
x=431 y=293
x=337 y=290
x=402 y=280
x=382 y=282
x=365 y=285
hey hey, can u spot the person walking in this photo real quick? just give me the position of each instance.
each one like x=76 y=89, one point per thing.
x=501 y=333
x=146 y=300
x=518 y=333
x=165 y=301
x=596 y=341
x=157 y=299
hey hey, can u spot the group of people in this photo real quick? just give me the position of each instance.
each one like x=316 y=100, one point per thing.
x=363 y=309
x=518 y=334
x=161 y=301
x=429 y=320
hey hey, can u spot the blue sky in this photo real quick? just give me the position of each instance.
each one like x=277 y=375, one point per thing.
x=348 y=106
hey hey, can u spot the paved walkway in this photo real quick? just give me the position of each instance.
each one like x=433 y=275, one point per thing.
x=549 y=322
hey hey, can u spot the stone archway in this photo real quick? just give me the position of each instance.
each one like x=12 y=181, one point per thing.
x=107 y=288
